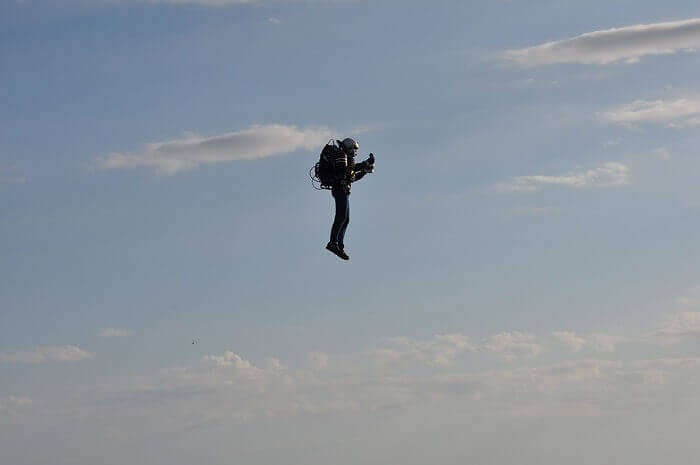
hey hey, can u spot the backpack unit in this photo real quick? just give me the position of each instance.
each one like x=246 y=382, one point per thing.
x=331 y=166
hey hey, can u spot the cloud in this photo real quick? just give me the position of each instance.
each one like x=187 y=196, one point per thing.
x=626 y=44
x=610 y=174
x=227 y=387
x=440 y=351
x=679 y=113
x=114 y=332
x=443 y=349
x=229 y=359
x=256 y=142
x=212 y=394
x=513 y=345
x=594 y=342
x=678 y=328
x=42 y=354
x=570 y=340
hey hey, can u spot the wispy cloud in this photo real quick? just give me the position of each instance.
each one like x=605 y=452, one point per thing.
x=683 y=112
x=256 y=142
x=442 y=350
x=674 y=329
x=625 y=44
x=42 y=354
x=594 y=342
x=677 y=328
x=115 y=332
x=513 y=345
x=608 y=174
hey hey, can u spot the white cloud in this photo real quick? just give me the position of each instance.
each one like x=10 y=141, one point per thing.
x=114 y=332
x=513 y=345
x=42 y=354
x=594 y=342
x=229 y=388
x=570 y=340
x=441 y=351
x=193 y=150
x=229 y=359
x=218 y=394
x=610 y=174
x=683 y=112
x=625 y=44
x=678 y=328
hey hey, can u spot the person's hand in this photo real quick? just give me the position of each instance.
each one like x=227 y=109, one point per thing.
x=370 y=163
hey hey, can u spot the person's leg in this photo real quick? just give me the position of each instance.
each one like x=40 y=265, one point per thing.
x=341 y=211
x=344 y=226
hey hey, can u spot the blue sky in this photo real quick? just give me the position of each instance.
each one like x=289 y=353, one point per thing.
x=523 y=264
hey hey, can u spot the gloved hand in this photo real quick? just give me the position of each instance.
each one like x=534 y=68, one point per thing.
x=369 y=163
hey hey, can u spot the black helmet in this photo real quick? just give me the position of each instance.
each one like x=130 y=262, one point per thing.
x=349 y=145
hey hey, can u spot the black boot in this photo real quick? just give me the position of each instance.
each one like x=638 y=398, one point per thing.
x=342 y=253
x=335 y=248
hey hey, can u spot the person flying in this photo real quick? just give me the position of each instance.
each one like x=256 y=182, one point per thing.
x=340 y=189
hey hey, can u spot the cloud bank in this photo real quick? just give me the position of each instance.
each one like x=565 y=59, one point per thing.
x=256 y=142
x=608 y=174
x=42 y=354
x=627 y=44
x=227 y=387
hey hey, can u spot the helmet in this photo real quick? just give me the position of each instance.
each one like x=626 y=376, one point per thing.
x=349 y=144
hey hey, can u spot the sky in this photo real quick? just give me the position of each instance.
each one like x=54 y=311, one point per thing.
x=524 y=280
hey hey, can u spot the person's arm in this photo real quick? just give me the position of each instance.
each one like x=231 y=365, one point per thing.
x=357 y=175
